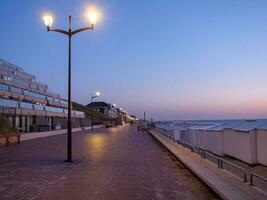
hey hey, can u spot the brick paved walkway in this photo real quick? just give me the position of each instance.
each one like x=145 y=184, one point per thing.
x=116 y=163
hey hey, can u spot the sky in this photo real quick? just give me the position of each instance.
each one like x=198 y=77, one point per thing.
x=175 y=59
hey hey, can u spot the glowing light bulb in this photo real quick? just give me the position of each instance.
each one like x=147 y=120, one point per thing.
x=93 y=18
x=93 y=15
x=48 y=20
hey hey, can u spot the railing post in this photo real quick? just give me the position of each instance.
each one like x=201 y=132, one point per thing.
x=245 y=177
x=203 y=154
x=7 y=140
x=219 y=163
x=251 y=179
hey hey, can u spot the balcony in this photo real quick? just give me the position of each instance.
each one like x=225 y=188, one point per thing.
x=13 y=107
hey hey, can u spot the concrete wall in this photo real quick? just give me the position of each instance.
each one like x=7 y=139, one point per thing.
x=241 y=145
x=262 y=146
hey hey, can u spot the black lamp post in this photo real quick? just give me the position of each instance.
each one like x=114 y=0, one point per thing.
x=48 y=22
x=97 y=94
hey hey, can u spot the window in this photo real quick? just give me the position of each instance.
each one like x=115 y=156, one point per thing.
x=63 y=101
x=41 y=96
x=39 y=85
x=66 y=111
x=20 y=82
x=38 y=107
x=56 y=100
x=26 y=105
x=7 y=78
x=33 y=85
x=79 y=112
x=6 y=69
x=35 y=95
x=4 y=87
x=50 y=99
x=23 y=75
x=26 y=92
x=42 y=89
x=8 y=103
x=54 y=109
x=16 y=90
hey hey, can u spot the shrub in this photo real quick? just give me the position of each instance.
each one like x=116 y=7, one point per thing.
x=5 y=127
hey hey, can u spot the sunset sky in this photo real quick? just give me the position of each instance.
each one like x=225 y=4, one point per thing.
x=176 y=59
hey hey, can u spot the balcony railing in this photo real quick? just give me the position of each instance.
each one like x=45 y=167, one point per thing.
x=25 y=85
x=30 y=96
x=12 y=104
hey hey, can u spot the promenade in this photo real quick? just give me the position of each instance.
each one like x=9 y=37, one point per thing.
x=116 y=163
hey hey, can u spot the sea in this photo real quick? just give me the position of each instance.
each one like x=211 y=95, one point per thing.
x=226 y=123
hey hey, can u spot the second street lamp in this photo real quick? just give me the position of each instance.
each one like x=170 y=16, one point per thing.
x=48 y=20
x=97 y=94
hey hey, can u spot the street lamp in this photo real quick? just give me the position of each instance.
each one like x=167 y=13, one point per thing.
x=97 y=94
x=48 y=20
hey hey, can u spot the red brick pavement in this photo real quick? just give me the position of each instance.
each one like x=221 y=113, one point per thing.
x=116 y=163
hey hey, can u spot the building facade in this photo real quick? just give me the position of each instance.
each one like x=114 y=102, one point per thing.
x=29 y=105
x=107 y=109
x=116 y=115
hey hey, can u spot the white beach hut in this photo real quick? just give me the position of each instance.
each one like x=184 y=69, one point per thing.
x=192 y=136
x=184 y=136
x=202 y=138
x=193 y=133
x=181 y=133
x=164 y=128
x=177 y=133
x=262 y=145
x=215 y=140
x=240 y=142
x=200 y=134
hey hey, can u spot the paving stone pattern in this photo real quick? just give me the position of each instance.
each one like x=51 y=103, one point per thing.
x=116 y=163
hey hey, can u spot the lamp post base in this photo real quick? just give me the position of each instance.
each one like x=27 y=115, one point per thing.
x=69 y=161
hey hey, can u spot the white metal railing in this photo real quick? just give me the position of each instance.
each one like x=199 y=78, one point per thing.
x=252 y=175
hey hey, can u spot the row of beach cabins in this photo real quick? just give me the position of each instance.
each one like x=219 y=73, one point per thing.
x=246 y=142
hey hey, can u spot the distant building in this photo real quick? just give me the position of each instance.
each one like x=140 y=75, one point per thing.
x=29 y=105
x=108 y=110
x=133 y=117
x=126 y=117
x=114 y=115
x=120 y=117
